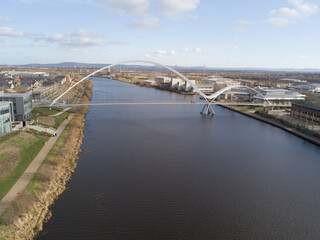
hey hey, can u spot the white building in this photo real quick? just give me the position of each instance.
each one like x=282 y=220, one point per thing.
x=188 y=87
x=220 y=82
x=206 y=88
x=177 y=83
x=278 y=96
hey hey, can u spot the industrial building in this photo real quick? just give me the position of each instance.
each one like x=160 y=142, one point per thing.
x=307 y=111
x=22 y=104
x=277 y=96
x=175 y=83
x=6 y=117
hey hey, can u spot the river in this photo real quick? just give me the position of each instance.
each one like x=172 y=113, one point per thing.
x=166 y=172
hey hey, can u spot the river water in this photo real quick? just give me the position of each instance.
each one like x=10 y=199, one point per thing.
x=166 y=172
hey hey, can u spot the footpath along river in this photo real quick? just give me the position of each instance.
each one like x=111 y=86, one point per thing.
x=166 y=172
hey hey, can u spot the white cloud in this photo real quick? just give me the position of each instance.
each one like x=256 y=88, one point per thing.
x=246 y=22
x=140 y=7
x=172 y=52
x=5 y=20
x=9 y=32
x=161 y=54
x=236 y=39
x=174 y=9
x=149 y=24
x=81 y=38
x=306 y=9
x=188 y=50
x=235 y=46
x=240 y=28
x=168 y=54
x=303 y=57
x=284 y=16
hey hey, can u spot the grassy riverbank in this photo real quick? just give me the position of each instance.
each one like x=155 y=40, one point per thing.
x=43 y=116
x=24 y=218
x=16 y=153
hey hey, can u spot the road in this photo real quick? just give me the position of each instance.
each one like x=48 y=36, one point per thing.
x=29 y=173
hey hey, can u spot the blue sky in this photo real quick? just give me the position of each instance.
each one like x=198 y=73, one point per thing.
x=212 y=33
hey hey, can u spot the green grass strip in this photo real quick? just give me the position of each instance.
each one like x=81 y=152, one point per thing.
x=27 y=155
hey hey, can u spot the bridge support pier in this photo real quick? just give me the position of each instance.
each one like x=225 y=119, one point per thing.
x=207 y=110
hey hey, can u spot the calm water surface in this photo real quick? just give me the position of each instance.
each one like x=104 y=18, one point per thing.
x=166 y=172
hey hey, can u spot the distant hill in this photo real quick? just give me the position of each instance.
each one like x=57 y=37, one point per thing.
x=144 y=67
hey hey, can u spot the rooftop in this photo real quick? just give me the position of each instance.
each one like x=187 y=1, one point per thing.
x=313 y=105
x=10 y=95
x=281 y=95
x=293 y=80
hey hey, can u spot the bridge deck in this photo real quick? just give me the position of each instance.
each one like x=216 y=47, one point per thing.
x=167 y=103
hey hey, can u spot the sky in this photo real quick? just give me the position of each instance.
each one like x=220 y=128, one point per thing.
x=211 y=33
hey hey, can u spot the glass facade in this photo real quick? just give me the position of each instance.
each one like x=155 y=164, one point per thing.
x=5 y=118
x=22 y=105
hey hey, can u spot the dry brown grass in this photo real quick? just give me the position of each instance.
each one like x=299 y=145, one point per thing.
x=46 y=121
x=11 y=152
x=25 y=218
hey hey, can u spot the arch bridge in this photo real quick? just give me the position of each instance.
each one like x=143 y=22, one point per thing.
x=207 y=109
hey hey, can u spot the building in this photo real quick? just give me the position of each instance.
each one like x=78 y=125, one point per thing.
x=177 y=83
x=220 y=82
x=237 y=94
x=187 y=87
x=307 y=111
x=6 y=117
x=313 y=87
x=22 y=104
x=277 y=96
x=164 y=81
x=150 y=82
x=206 y=88
x=293 y=80
x=23 y=73
x=22 y=88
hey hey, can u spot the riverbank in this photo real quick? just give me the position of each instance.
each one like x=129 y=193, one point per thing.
x=25 y=217
x=275 y=122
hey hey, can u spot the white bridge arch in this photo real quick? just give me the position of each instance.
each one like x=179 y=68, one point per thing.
x=209 y=99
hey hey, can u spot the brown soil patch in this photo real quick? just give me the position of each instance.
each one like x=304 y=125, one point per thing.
x=46 y=121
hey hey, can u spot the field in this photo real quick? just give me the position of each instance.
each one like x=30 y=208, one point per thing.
x=17 y=150
x=43 y=116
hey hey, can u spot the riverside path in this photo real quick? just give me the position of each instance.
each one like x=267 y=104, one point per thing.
x=29 y=173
